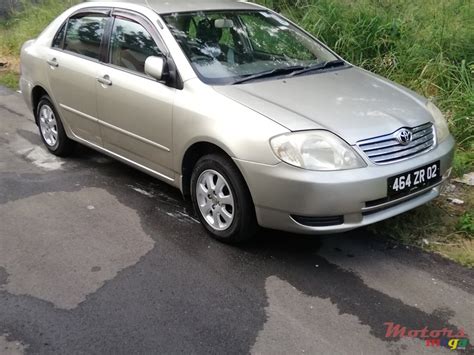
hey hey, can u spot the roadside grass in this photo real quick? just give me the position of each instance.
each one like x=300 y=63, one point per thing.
x=427 y=46
x=9 y=79
x=27 y=23
x=463 y=162
x=23 y=25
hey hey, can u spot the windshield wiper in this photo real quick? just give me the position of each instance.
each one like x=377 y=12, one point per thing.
x=270 y=73
x=291 y=71
x=320 y=66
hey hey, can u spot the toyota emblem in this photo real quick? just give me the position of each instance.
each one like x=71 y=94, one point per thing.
x=404 y=136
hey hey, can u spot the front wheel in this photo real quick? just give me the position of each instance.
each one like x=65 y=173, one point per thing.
x=221 y=200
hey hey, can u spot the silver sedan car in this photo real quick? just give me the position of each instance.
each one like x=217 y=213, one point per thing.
x=252 y=118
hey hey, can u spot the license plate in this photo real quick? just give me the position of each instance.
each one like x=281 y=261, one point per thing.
x=415 y=180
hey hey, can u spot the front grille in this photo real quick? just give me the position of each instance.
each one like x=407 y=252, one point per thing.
x=321 y=221
x=388 y=149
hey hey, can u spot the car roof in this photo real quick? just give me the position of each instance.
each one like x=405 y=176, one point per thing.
x=172 y=6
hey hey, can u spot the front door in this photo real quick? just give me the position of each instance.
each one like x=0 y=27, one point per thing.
x=135 y=110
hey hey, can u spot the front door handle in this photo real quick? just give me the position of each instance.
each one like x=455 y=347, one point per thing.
x=53 y=63
x=105 y=80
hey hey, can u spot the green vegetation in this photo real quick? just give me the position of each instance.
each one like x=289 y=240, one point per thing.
x=427 y=46
x=22 y=26
x=28 y=23
x=9 y=79
x=463 y=162
x=466 y=223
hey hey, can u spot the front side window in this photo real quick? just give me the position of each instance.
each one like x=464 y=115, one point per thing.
x=225 y=47
x=131 y=45
x=84 y=34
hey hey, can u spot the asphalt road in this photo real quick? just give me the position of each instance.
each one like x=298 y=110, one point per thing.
x=96 y=257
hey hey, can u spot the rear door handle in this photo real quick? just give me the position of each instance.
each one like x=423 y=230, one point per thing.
x=53 y=63
x=105 y=80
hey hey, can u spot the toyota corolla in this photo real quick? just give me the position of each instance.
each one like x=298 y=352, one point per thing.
x=252 y=118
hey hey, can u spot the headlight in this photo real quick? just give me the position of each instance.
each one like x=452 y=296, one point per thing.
x=442 y=129
x=316 y=150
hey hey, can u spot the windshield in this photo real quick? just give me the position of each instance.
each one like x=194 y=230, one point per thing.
x=225 y=47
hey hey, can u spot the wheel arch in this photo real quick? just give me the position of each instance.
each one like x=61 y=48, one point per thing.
x=36 y=94
x=191 y=157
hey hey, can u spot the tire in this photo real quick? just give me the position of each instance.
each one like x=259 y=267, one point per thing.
x=228 y=195
x=51 y=129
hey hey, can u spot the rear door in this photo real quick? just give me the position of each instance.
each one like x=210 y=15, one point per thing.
x=73 y=65
x=135 y=110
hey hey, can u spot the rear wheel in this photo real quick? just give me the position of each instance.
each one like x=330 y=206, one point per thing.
x=51 y=129
x=221 y=199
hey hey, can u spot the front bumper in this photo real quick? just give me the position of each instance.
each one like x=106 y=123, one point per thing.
x=282 y=191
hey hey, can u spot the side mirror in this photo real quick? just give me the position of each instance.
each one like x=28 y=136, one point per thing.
x=155 y=67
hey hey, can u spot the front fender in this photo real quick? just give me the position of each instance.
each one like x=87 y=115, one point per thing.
x=203 y=115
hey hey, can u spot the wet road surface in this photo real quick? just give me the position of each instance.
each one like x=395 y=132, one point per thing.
x=96 y=257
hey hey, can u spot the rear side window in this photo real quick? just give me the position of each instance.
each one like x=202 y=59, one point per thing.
x=131 y=45
x=84 y=34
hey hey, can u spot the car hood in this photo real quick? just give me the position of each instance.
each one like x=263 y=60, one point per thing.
x=352 y=103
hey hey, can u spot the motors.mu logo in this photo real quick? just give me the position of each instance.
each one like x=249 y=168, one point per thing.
x=449 y=338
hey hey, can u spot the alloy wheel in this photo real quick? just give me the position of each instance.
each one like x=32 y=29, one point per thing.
x=215 y=200
x=48 y=126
